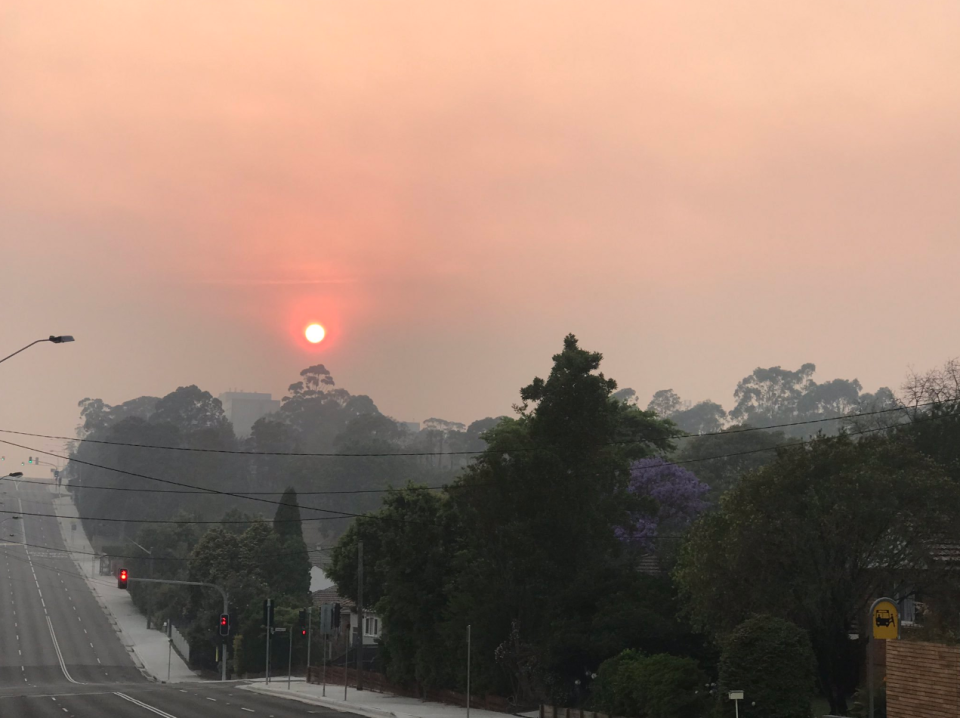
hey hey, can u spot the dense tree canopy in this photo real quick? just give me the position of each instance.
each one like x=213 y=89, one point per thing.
x=816 y=535
x=554 y=532
x=523 y=543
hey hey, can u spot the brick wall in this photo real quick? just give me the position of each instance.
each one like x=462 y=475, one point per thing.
x=923 y=680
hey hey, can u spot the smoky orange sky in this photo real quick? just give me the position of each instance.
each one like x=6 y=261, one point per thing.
x=693 y=188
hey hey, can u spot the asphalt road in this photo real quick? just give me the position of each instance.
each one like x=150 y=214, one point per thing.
x=59 y=655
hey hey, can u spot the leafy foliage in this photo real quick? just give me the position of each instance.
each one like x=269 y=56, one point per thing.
x=521 y=546
x=814 y=535
x=658 y=686
x=675 y=499
x=772 y=662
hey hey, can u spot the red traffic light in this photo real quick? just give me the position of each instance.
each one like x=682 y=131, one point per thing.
x=224 y=624
x=303 y=631
x=122 y=578
x=223 y=620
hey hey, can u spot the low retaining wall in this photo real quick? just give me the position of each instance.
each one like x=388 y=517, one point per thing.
x=557 y=712
x=922 y=680
x=379 y=683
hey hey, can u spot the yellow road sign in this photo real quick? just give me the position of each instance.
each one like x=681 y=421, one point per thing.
x=885 y=620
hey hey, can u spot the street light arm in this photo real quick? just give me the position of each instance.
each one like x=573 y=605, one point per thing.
x=23 y=350
x=55 y=339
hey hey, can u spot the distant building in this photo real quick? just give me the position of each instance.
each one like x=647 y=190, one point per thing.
x=243 y=408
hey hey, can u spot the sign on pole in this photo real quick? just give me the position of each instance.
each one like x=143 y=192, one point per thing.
x=885 y=620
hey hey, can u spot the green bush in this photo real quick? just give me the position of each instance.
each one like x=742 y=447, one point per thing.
x=659 y=686
x=772 y=662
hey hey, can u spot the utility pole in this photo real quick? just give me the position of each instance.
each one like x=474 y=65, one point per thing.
x=290 y=656
x=323 y=632
x=359 y=615
x=468 y=671
x=267 y=609
x=309 y=636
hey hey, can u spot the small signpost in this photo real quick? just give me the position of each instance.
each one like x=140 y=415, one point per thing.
x=884 y=626
x=736 y=697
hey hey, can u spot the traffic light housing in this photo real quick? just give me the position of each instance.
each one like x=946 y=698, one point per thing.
x=224 y=624
x=29 y=459
x=122 y=578
x=303 y=617
x=268 y=613
x=336 y=615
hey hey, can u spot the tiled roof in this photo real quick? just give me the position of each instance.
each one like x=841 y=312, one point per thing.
x=649 y=564
x=330 y=595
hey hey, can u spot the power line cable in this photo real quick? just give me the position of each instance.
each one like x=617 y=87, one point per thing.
x=385 y=454
x=218 y=492
x=343 y=514
x=175 y=521
x=155 y=558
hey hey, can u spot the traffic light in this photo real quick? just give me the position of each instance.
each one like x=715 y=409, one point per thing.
x=224 y=624
x=122 y=578
x=303 y=617
x=29 y=459
x=336 y=615
x=268 y=612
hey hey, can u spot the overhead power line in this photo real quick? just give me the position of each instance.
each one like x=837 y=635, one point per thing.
x=216 y=492
x=134 y=474
x=174 y=521
x=406 y=521
x=68 y=551
x=253 y=496
x=386 y=454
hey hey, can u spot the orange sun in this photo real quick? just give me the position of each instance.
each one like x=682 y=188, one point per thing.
x=315 y=333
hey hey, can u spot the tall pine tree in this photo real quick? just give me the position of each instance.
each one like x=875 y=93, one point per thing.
x=293 y=576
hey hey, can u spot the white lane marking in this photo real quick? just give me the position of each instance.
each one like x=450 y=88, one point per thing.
x=248 y=710
x=149 y=707
x=56 y=646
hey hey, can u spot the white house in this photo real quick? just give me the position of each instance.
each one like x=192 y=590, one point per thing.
x=348 y=616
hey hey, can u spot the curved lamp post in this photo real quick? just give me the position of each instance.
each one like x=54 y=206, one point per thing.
x=56 y=340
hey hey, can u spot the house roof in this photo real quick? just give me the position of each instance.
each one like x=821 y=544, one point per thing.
x=649 y=564
x=330 y=595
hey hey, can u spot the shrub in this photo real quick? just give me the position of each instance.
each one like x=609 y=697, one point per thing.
x=772 y=662
x=659 y=686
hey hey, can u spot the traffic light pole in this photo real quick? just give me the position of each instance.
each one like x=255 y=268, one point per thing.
x=309 y=636
x=226 y=608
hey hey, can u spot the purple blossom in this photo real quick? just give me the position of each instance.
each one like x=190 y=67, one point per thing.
x=678 y=496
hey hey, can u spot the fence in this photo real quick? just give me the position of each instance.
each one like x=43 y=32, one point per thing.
x=180 y=643
x=558 y=712
x=378 y=682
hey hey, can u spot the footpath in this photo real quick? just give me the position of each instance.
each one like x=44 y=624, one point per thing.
x=149 y=648
x=364 y=703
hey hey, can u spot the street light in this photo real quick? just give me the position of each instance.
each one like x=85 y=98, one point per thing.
x=55 y=339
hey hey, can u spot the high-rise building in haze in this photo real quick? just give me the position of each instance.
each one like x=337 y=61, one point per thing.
x=243 y=408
